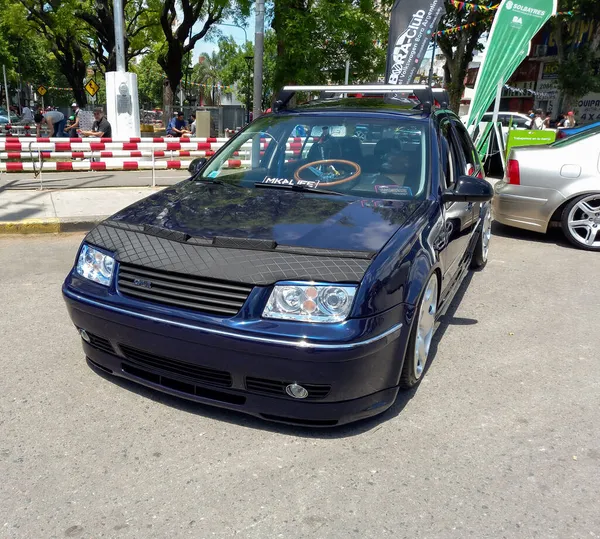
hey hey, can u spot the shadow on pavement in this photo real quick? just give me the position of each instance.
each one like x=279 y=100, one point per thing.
x=554 y=235
x=344 y=431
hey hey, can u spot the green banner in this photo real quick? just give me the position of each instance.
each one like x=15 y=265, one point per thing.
x=515 y=23
x=518 y=137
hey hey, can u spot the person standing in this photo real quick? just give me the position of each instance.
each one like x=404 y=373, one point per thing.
x=55 y=121
x=570 y=120
x=101 y=126
x=75 y=125
x=538 y=123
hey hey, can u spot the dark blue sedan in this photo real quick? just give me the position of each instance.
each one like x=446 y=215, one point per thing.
x=295 y=278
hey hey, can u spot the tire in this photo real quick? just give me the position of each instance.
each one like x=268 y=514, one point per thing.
x=482 y=247
x=580 y=222
x=421 y=335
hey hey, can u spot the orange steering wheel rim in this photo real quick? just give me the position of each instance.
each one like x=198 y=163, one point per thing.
x=329 y=162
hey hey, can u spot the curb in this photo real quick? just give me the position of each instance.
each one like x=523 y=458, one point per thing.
x=52 y=225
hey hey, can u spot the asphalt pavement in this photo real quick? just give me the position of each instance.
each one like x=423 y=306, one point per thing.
x=500 y=440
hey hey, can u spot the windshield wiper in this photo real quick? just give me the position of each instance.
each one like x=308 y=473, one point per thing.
x=300 y=188
x=208 y=180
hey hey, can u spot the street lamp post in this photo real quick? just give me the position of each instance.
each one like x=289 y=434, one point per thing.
x=249 y=62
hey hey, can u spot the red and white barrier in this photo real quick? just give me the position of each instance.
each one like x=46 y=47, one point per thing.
x=124 y=153
x=60 y=166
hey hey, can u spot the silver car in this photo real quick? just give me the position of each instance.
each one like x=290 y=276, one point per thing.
x=555 y=185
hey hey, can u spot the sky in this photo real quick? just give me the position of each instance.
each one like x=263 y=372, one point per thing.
x=205 y=46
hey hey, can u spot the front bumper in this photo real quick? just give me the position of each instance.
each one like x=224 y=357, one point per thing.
x=352 y=379
x=521 y=206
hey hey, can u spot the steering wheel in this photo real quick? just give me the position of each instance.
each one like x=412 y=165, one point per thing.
x=328 y=177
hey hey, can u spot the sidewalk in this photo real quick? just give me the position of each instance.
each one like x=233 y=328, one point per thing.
x=70 y=210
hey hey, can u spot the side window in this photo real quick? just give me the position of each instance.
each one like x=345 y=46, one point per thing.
x=466 y=147
x=451 y=162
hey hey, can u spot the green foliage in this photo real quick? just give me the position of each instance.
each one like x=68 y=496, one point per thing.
x=150 y=80
x=578 y=64
x=235 y=71
x=314 y=40
x=459 y=48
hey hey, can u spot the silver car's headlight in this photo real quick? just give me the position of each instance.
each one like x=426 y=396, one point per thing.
x=323 y=303
x=95 y=265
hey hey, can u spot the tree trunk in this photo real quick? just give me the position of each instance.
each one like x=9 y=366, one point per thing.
x=168 y=101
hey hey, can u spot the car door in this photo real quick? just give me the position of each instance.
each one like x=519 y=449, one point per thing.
x=471 y=161
x=458 y=216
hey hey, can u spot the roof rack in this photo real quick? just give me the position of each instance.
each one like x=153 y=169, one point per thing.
x=441 y=96
x=390 y=91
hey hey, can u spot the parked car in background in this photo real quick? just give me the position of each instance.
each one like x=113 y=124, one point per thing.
x=508 y=120
x=552 y=185
x=300 y=282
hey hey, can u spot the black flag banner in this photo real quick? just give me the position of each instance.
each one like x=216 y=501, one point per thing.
x=411 y=26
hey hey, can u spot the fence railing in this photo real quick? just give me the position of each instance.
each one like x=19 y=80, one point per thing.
x=44 y=154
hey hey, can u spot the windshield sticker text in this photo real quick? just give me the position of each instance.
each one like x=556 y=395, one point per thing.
x=313 y=184
x=399 y=190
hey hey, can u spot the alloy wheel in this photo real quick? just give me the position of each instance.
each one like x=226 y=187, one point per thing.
x=584 y=221
x=486 y=234
x=426 y=325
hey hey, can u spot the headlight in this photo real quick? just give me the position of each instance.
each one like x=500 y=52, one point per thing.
x=95 y=265
x=322 y=303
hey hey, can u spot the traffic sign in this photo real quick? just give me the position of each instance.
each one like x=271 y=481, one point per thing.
x=91 y=87
x=42 y=90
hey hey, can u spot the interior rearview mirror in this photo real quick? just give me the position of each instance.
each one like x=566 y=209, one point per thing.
x=469 y=189
x=196 y=165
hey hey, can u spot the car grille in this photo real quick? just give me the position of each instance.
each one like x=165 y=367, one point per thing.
x=277 y=388
x=206 y=295
x=100 y=343
x=193 y=373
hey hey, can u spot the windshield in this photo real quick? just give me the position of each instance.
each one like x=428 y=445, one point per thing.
x=352 y=154
x=577 y=137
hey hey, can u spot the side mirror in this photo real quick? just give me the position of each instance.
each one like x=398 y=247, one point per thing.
x=196 y=165
x=469 y=189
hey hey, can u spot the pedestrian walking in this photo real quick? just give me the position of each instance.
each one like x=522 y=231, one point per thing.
x=75 y=123
x=55 y=121
x=101 y=126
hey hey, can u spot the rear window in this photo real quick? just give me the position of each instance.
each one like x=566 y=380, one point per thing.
x=353 y=154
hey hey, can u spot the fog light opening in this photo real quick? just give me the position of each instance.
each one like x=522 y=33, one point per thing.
x=85 y=336
x=296 y=391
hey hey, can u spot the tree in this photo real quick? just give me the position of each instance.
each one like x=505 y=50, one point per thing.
x=141 y=28
x=459 y=48
x=150 y=79
x=207 y=74
x=315 y=38
x=235 y=71
x=577 y=63
x=54 y=21
x=177 y=19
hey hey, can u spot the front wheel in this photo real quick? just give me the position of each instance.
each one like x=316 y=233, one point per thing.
x=482 y=248
x=581 y=222
x=421 y=336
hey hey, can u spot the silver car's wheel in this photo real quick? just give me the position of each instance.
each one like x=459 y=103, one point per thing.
x=421 y=335
x=581 y=222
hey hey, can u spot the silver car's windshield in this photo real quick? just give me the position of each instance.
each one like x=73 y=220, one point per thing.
x=353 y=154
